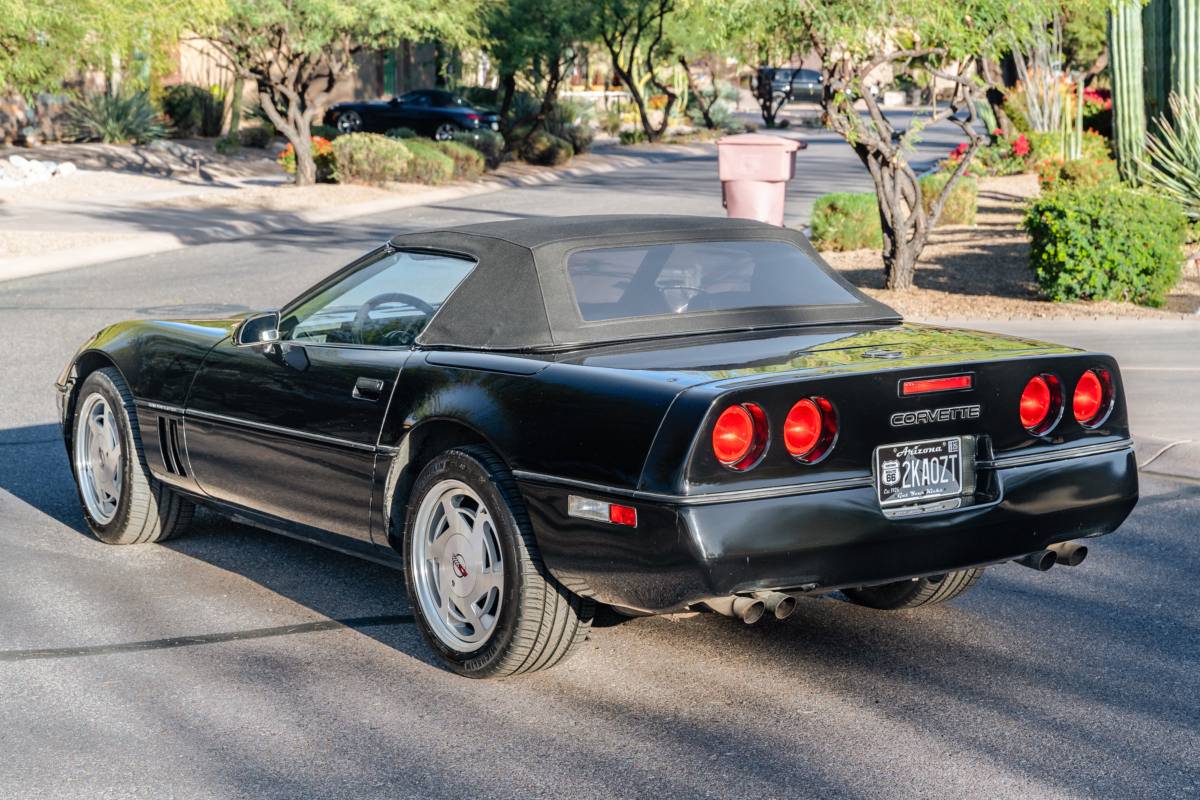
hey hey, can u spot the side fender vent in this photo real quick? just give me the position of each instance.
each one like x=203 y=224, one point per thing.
x=168 y=445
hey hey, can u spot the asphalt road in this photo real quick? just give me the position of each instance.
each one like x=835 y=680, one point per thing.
x=236 y=664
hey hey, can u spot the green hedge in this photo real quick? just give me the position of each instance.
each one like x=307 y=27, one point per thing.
x=428 y=164
x=850 y=220
x=1106 y=243
x=846 y=221
x=960 y=205
x=468 y=162
x=547 y=150
x=369 y=158
x=489 y=144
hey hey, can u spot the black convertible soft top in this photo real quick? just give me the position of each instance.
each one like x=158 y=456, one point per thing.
x=521 y=297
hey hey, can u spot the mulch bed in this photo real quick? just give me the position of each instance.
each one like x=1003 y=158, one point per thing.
x=982 y=271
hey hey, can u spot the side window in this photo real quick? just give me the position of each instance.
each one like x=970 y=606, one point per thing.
x=386 y=303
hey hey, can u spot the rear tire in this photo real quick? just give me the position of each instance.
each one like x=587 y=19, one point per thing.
x=122 y=502
x=914 y=593
x=477 y=586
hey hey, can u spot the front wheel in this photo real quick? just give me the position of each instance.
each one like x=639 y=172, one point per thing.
x=916 y=592
x=122 y=502
x=476 y=582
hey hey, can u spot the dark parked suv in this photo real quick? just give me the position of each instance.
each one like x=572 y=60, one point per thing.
x=429 y=112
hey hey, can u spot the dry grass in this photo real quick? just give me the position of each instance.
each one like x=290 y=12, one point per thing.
x=982 y=271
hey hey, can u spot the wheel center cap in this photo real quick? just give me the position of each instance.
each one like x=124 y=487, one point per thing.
x=462 y=568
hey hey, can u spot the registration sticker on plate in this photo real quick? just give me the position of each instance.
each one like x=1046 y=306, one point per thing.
x=916 y=472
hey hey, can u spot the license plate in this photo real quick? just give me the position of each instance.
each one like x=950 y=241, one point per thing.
x=916 y=472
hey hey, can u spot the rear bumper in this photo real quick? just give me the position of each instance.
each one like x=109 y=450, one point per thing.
x=682 y=551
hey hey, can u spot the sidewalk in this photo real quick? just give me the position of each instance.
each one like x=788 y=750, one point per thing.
x=97 y=216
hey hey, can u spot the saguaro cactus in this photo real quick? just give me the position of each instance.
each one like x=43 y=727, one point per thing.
x=1185 y=47
x=1156 y=29
x=1129 y=111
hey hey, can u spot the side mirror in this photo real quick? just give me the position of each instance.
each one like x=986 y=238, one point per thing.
x=258 y=329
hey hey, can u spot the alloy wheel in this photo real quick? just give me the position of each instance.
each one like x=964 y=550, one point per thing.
x=99 y=462
x=458 y=566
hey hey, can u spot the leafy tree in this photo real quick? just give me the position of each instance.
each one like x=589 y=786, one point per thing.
x=634 y=31
x=930 y=39
x=537 y=39
x=296 y=51
x=44 y=41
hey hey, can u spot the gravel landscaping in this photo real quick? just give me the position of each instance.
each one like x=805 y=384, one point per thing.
x=982 y=271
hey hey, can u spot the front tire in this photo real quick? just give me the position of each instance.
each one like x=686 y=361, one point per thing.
x=122 y=502
x=915 y=593
x=481 y=595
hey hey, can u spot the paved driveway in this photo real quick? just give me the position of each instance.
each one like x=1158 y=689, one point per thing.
x=236 y=664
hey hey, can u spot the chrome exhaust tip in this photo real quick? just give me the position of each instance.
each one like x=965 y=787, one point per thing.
x=1041 y=560
x=1070 y=554
x=748 y=609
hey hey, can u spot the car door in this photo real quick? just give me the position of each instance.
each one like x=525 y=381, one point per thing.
x=290 y=428
x=416 y=113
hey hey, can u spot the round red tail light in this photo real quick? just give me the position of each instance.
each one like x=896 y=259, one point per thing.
x=740 y=435
x=1092 y=398
x=810 y=428
x=1040 y=404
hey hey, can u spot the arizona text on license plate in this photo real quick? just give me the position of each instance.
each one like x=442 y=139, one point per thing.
x=913 y=472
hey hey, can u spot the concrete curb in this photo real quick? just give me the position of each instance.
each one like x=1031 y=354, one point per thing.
x=144 y=244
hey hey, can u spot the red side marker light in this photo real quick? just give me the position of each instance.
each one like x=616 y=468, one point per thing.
x=622 y=515
x=929 y=385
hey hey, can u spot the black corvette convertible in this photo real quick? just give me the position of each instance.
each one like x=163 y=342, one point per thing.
x=656 y=413
x=429 y=112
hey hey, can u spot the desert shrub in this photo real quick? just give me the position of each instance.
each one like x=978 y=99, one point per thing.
x=325 y=132
x=633 y=136
x=546 y=149
x=322 y=150
x=580 y=136
x=369 y=158
x=1050 y=145
x=846 y=221
x=228 y=145
x=1053 y=173
x=125 y=117
x=1172 y=165
x=193 y=110
x=468 y=162
x=428 y=164
x=610 y=122
x=255 y=136
x=401 y=133
x=960 y=205
x=1106 y=243
x=489 y=144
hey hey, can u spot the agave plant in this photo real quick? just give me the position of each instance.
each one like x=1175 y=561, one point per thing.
x=1172 y=160
x=120 y=118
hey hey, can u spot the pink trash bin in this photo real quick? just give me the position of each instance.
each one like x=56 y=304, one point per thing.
x=754 y=169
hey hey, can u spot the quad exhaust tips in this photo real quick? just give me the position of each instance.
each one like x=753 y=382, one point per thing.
x=1069 y=554
x=751 y=609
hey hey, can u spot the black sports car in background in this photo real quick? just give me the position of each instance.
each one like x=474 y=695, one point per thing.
x=429 y=112
x=656 y=413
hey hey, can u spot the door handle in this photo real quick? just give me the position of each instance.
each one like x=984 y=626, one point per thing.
x=367 y=389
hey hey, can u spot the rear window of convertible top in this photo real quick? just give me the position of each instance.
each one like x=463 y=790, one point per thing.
x=689 y=277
